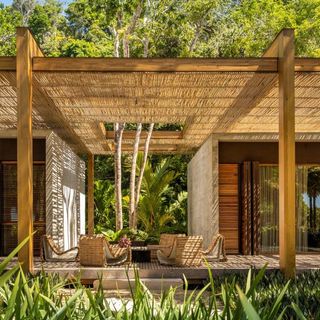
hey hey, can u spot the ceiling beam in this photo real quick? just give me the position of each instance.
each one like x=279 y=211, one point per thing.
x=155 y=135
x=154 y=65
x=7 y=63
x=264 y=64
x=127 y=147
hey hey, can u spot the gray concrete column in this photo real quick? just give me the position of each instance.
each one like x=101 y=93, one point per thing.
x=203 y=191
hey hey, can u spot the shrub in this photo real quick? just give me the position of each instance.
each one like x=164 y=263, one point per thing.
x=258 y=296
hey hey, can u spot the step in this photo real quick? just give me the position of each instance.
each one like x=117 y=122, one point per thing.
x=150 y=283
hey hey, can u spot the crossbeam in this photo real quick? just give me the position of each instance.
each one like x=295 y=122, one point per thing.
x=154 y=65
x=265 y=64
x=7 y=63
x=156 y=135
x=127 y=147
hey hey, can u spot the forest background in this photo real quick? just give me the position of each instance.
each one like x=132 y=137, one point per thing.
x=156 y=28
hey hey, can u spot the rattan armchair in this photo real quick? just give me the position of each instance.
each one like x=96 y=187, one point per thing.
x=49 y=251
x=185 y=251
x=95 y=251
x=216 y=250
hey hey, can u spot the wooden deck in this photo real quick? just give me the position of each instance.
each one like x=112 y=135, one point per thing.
x=147 y=270
x=235 y=264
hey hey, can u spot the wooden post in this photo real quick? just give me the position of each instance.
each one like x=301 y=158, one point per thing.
x=287 y=167
x=90 y=194
x=283 y=48
x=26 y=50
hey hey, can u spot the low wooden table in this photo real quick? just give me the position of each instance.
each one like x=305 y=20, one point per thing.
x=141 y=254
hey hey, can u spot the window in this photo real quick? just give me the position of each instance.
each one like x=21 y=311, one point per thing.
x=307 y=208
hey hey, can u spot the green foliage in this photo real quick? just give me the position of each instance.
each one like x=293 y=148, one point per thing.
x=257 y=296
x=9 y=20
x=132 y=234
x=171 y=28
x=104 y=205
x=152 y=210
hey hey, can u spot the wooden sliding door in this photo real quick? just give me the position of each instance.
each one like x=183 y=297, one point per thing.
x=229 y=205
x=8 y=206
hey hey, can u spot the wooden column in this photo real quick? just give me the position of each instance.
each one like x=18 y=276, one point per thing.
x=283 y=49
x=26 y=50
x=287 y=203
x=90 y=194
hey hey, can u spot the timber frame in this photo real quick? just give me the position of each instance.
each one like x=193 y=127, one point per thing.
x=75 y=97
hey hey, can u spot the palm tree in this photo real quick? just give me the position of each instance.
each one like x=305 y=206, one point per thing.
x=152 y=209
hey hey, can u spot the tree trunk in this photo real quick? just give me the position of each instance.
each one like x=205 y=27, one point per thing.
x=139 y=182
x=133 y=176
x=130 y=30
x=118 y=128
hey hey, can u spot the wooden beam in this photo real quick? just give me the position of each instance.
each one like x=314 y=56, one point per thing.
x=26 y=50
x=265 y=64
x=283 y=48
x=7 y=63
x=156 y=135
x=307 y=65
x=12 y=133
x=152 y=147
x=90 y=194
x=287 y=166
x=154 y=65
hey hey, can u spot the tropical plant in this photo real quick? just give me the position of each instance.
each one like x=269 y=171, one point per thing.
x=256 y=296
x=152 y=207
x=104 y=205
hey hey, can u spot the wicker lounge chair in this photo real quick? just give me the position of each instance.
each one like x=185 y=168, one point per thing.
x=49 y=251
x=216 y=250
x=165 y=244
x=185 y=251
x=96 y=251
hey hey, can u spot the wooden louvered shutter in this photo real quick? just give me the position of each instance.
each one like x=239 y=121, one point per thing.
x=229 y=206
x=246 y=226
x=9 y=214
x=256 y=224
x=250 y=187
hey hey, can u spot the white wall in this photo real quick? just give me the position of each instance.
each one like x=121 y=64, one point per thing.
x=65 y=193
x=203 y=192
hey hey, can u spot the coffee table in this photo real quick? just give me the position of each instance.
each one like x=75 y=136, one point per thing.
x=141 y=254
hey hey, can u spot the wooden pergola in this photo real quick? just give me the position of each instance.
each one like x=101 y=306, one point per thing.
x=75 y=97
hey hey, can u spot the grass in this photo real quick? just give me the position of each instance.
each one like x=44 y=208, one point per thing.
x=256 y=296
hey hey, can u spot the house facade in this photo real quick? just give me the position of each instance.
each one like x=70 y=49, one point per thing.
x=244 y=203
x=273 y=98
x=58 y=193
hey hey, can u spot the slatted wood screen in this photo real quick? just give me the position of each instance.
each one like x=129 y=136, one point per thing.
x=229 y=205
x=8 y=206
x=246 y=216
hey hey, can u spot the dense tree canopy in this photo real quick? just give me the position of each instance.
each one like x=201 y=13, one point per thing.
x=168 y=28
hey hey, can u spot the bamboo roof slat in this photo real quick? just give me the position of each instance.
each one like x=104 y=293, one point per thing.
x=77 y=102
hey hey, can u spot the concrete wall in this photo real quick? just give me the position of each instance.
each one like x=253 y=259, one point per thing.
x=203 y=192
x=65 y=193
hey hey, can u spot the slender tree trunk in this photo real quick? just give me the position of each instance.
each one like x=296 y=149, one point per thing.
x=130 y=30
x=119 y=127
x=139 y=182
x=133 y=176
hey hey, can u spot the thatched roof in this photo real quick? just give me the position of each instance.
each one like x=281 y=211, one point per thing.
x=76 y=104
